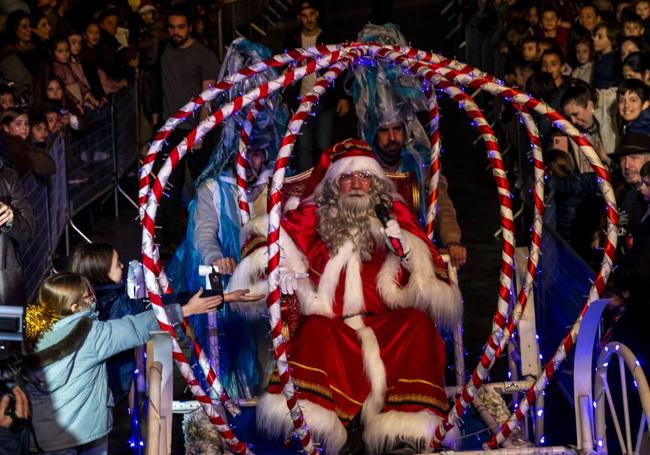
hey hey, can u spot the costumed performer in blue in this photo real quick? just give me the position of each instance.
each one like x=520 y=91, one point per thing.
x=387 y=102
x=213 y=232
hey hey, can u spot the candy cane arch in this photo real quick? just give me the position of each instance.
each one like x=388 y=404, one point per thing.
x=436 y=146
x=154 y=199
x=480 y=374
x=180 y=116
x=430 y=67
x=610 y=245
x=507 y=257
x=241 y=163
x=463 y=78
x=536 y=241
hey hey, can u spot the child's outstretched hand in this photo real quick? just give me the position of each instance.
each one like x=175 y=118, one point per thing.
x=201 y=305
x=242 y=295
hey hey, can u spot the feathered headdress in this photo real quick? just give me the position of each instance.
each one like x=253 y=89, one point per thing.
x=269 y=123
x=383 y=94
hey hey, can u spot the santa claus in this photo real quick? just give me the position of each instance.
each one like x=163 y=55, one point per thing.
x=367 y=356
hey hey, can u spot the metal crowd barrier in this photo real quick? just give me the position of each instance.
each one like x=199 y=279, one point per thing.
x=90 y=162
x=36 y=255
x=89 y=165
x=58 y=192
x=124 y=108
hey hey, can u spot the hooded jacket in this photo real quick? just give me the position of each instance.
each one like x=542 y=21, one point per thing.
x=71 y=394
x=12 y=291
x=641 y=124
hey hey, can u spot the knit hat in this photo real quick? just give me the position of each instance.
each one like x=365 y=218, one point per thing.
x=632 y=144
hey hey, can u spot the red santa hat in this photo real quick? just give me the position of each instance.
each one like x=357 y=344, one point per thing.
x=350 y=155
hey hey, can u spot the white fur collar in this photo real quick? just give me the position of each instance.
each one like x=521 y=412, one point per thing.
x=424 y=290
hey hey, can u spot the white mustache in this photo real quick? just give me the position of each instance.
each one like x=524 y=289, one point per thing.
x=357 y=193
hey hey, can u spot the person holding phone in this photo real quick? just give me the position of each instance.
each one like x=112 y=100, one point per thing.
x=100 y=263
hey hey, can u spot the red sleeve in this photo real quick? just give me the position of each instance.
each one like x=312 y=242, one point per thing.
x=408 y=222
x=301 y=224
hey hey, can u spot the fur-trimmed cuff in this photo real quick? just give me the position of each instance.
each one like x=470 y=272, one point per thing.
x=383 y=430
x=273 y=420
x=424 y=289
x=247 y=275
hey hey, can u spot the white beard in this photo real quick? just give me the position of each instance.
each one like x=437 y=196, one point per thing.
x=353 y=219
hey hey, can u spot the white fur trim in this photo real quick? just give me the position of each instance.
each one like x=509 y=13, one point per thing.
x=246 y=276
x=373 y=366
x=353 y=301
x=291 y=204
x=258 y=225
x=329 y=280
x=382 y=431
x=274 y=421
x=424 y=290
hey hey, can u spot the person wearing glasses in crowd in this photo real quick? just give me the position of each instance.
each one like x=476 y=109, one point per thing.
x=71 y=391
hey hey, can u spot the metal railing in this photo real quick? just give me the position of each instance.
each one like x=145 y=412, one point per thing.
x=89 y=165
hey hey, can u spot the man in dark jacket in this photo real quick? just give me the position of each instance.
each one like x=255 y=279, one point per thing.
x=316 y=134
x=17 y=223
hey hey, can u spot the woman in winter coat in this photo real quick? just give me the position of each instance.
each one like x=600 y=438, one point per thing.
x=69 y=395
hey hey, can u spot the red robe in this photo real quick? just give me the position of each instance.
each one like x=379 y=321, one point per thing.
x=331 y=362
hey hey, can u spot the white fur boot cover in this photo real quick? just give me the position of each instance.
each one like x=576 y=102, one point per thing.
x=274 y=421
x=381 y=431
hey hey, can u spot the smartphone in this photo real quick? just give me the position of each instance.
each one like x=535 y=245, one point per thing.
x=215 y=284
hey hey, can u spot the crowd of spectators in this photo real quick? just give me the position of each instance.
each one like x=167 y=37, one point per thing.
x=590 y=62
x=60 y=60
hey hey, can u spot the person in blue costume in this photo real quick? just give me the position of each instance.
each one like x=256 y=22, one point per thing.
x=213 y=232
x=386 y=102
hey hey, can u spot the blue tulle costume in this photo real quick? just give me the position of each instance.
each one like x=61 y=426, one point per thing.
x=240 y=340
x=384 y=94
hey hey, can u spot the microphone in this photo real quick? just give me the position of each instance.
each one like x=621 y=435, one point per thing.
x=382 y=213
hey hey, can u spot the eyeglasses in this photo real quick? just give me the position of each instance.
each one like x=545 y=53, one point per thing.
x=363 y=176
